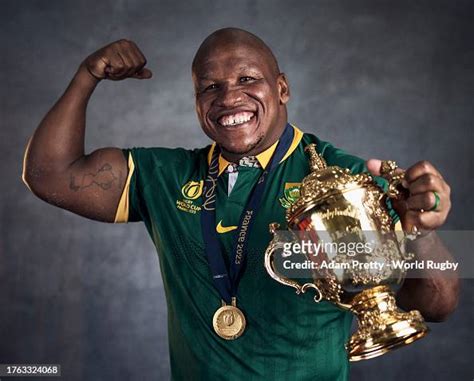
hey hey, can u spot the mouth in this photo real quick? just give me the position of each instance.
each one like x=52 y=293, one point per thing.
x=236 y=119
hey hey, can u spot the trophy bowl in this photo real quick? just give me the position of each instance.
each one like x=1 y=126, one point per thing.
x=335 y=209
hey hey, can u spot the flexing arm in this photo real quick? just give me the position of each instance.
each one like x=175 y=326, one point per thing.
x=56 y=168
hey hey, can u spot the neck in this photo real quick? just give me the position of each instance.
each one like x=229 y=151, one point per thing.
x=232 y=157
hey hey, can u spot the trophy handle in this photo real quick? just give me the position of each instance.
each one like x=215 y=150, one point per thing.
x=394 y=176
x=269 y=266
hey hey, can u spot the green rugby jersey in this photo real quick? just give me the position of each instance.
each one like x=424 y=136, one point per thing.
x=287 y=336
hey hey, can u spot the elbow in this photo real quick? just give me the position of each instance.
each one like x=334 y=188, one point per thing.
x=438 y=316
x=38 y=180
x=26 y=169
x=445 y=302
x=31 y=175
x=27 y=176
x=33 y=179
x=44 y=176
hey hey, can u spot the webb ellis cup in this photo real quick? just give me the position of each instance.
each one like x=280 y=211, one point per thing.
x=336 y=206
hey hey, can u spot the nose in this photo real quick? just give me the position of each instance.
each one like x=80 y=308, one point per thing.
x=229 y=96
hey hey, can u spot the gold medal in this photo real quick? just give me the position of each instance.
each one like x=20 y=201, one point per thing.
x=228 y=321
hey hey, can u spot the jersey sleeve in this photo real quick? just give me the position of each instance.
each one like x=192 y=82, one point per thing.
x=129 y=208
x=145 y=166
x=336 y=156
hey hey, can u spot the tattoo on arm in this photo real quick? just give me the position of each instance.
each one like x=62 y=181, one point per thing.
x=103 y=178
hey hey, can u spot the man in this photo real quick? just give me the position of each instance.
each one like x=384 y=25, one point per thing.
x=198 y=205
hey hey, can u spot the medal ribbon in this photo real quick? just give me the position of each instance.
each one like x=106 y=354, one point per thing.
x=226 y=282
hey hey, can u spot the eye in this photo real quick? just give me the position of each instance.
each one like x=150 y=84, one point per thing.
x=211 y=87
x=246 y=79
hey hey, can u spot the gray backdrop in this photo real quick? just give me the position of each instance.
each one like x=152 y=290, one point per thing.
x=377 y=78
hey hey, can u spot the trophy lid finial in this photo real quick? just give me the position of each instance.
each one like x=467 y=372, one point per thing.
x=316 y=162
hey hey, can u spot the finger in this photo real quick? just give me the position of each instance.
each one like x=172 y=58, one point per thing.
x=131 y=55
x=138 y=56
x=423 y=201
x=138 y=53
x=134 y=58
x=422 y=221
x=116 y=63
x=143 y=74
x=375 y=168
x=419 y=169
x=117 y=66
x=138 y=60
x=426 y=183
x=139 y=65
x=129 y=64
x=375 y=165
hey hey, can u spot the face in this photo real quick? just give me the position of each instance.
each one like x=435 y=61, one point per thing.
x=240 y=100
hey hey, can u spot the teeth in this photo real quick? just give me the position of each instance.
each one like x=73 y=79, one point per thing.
x=235 y=119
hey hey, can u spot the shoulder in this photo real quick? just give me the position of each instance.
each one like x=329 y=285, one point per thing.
x=333 y=155
x=159 y=157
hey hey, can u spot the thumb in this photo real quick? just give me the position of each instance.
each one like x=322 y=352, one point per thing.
x=374 y=165
x=143 y=74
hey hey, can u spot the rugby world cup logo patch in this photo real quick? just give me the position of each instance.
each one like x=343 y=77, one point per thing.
x=192 y=189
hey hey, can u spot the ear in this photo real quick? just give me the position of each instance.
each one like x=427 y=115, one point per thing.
x=283 y=89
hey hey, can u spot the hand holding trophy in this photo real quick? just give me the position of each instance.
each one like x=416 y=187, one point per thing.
x=337 y=207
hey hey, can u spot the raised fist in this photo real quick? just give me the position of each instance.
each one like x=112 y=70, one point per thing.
x=119 y=60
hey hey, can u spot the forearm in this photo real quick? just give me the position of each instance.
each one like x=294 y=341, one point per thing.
x=59 y=139
x=434 y=293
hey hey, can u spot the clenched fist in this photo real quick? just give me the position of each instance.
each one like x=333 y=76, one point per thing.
x=119 y=60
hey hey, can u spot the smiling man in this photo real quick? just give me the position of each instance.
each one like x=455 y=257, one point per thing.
x=240 y=93
x=207 y=211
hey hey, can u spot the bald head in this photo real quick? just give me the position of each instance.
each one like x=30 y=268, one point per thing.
x=240 y=93
x=231 y=38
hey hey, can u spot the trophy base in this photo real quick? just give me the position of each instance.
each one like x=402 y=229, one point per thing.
x=382 y=325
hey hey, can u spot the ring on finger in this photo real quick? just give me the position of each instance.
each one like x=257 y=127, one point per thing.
x=436 y=204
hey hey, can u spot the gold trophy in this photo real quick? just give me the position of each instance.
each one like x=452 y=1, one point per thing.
x=337 y=207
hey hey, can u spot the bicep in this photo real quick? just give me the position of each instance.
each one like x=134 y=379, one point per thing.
x=95 y=183
x=91 y=186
